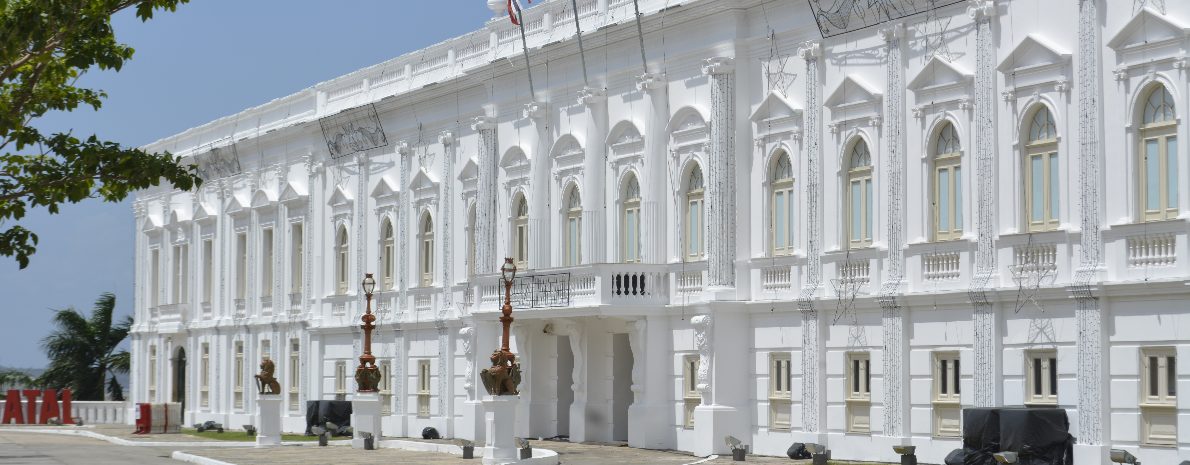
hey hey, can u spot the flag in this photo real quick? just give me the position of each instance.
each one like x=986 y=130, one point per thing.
x=515 y=4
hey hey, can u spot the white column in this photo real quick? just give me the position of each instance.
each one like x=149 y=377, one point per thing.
x=538 y=144
x=655 y=172
x=720 y=177
x=894 y=353
x=594 y=234
x=812 y=382
x=486 y=195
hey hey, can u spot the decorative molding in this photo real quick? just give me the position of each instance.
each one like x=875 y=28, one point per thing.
x=535 y=110
x=981 y=9
x=718 y=65
x=481 y=123
x=704 y=344
x=810 y=50
x=591 y=96
x=895 y=31
x=651 y=81
x=636 y=339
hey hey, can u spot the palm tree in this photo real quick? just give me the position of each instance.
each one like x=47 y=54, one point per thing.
x=83 y=353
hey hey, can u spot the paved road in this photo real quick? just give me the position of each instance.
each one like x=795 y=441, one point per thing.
x=43 y=449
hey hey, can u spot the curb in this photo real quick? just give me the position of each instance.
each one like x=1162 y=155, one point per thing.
x=184 y=457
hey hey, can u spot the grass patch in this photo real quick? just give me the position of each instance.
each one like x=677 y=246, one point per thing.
x=229 y=435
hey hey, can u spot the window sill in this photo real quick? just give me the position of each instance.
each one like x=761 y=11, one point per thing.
x=948 y=438
x=785 y=399
x=859 y=401
x=1159 y=446
x=1159 y=406
x=1053 y=404
x=947 y=403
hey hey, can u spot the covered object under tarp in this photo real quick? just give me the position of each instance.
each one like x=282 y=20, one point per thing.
x=319 y=412
x=1039 y=436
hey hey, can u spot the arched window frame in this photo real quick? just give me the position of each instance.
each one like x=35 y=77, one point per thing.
x=388 y=256
x=572 y=252
x=520 y=233
x=1157 y=156
x=859 y=194
x=947 y=205
x=695 y=215
x=426 y=251
x=630 y=221
x=781 y=206
x=343 y=260
x=1042 y=171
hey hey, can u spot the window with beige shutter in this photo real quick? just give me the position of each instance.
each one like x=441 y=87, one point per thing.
x=947 y=396
x=1159 y=396
x=859 y=392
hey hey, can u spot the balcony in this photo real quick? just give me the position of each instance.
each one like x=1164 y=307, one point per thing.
x=171 y=317
x=1146 y=251
x=295 y=304
x=241 y=309
x=580 y=286
x=266 y=306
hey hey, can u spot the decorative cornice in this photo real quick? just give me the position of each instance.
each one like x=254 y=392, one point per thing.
x=718 y=65
x=535 y=110
x=403 y=147
x=591 y=95
x=483 y=122
x=651 y=81
x=810 y=49
x=979 y=9
x=895 y=31
x=446 y=137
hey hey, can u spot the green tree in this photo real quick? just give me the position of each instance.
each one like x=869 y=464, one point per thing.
x=45 y=47
x=82 y=351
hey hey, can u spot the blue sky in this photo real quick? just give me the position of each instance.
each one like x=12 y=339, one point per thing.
x=212 y=58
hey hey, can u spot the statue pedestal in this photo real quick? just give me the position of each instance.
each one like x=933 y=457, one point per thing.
x=499 y=421
x=365 y=417
x=268 y=420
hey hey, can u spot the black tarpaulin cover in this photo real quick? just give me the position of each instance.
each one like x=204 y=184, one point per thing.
x=319 y=412
x=1038 y=436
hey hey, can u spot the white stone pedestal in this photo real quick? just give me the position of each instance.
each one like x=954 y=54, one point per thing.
x=471 y=427
x=365 y=417
x=268 y=420
x=499 y=421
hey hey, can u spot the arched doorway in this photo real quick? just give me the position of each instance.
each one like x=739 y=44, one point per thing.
x=179 y=390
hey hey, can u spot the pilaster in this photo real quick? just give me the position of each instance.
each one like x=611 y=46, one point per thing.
x=486 y=195
x=812 y=381
x=654 y=86
x=894 y=352
x=594 y=235
x=720 y=173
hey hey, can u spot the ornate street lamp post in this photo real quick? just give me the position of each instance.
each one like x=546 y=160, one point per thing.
x=505 y=374
x=367 y=376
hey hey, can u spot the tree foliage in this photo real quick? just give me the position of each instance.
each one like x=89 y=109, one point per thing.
x=45 y=47
x=82 y=351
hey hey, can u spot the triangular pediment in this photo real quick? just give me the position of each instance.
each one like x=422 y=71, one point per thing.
x=1033 y=52
x=151 y=223
x=385 y=188
x=775 y=106
x=422 y=180
x=514 y=157
x=470 y=170
x=853 y=91
x=940 y=74
x=1147 y=27
x=263 y=198
x=293 y=193
x=340 y=197
x=205 y=211
x=236 y=205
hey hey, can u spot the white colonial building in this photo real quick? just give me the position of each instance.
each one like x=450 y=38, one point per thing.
x=786 y=225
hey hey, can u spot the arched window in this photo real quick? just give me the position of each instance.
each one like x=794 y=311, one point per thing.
x=389 y=272
x=859 y=195
x=694 y=215
x=782 y=215
x=427 y=251
x=1041 y=172
x=574 y=228
x=521 y=231
x=1159 y=157
x=948 y=185
x=342 y=261
x=631 y=221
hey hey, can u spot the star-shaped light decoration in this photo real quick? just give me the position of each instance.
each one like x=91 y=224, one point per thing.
x=776 y=76
x=1158 y=5
x=933 y=30
x=1029 y=275
x=846 y=288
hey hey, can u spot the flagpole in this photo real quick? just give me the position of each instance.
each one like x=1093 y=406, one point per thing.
x=525 y=47
x=578 y=31
x=640 y=35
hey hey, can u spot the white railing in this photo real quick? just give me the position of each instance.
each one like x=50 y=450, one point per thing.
x=266 y=306
x=295 y=303
x=430 y=64
x=940 y=266
x=856 y=270
x=1152 y=250
x=491 y=293
x=776 y=278
x=99 y=412
x=1035 y=258
x=339 y=309
x=241 y=308
x=423 y=303
x=689 y=283
x=582 y=286
x=344 y=91
x=638 y=284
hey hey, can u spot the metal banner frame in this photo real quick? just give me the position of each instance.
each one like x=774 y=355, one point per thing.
x=836 y=17
x=353 y=130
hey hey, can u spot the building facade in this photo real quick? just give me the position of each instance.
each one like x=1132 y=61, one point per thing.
x=788 y=224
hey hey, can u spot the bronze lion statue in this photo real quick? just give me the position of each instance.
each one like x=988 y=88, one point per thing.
x=503 y=377
x=265 y=380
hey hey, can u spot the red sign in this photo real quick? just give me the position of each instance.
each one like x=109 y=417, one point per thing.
x=49 y=407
